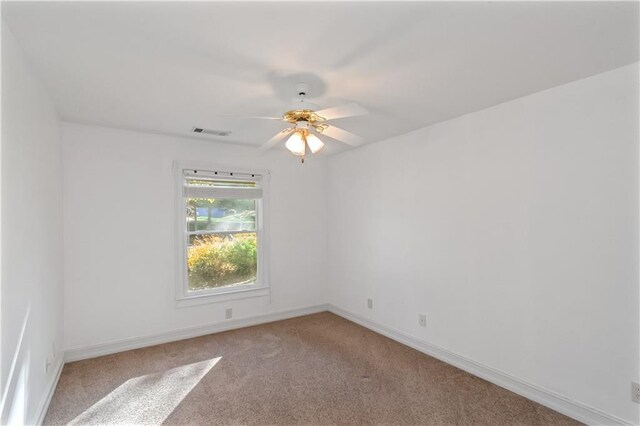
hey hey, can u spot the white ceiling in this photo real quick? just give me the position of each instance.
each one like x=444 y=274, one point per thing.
x=166 y=67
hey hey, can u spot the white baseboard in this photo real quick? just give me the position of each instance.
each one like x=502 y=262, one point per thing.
x=560 y=403
x=43 y=406
x=76 y=354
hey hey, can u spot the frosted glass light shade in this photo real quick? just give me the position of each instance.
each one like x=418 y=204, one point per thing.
x=315 y=144
x=296 y=144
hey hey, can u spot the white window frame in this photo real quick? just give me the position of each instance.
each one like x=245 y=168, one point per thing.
x=185 y=297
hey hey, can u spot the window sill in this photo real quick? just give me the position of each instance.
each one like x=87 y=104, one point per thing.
x=203 y=299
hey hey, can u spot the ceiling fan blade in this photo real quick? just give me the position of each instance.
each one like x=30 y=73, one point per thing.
x=342 y=136
x=386 y=35
x=277 y=138
x=347 y=110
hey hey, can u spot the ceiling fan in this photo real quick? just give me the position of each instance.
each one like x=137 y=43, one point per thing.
x=307 y=121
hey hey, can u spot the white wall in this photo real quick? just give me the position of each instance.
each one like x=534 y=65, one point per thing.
x=120 y=233
x=31 y=237
x=515 y=229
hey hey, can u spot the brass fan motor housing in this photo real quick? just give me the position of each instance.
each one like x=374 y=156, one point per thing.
x=314 y=120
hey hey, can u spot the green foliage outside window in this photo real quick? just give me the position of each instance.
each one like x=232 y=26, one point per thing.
x=222 y=260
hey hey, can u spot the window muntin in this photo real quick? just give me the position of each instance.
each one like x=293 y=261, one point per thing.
x=222 y=229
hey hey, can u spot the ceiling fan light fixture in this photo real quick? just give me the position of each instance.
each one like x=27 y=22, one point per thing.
x=314 y=142
x=296 y=144
x=305 y=119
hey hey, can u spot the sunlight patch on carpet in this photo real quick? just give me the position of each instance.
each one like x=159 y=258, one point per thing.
x=146 y=399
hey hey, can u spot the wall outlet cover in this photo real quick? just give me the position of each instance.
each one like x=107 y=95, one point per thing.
x=370 y=303
x=422 y=320
x=228 y=314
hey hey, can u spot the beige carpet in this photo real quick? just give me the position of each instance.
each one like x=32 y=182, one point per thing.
x=318 y=369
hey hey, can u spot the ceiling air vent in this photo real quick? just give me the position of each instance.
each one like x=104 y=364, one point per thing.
x=211 y=132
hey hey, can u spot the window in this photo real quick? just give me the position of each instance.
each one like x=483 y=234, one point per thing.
x=221 y=216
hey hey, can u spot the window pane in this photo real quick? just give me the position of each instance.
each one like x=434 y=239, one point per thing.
x=222 y=260
x=220 y=215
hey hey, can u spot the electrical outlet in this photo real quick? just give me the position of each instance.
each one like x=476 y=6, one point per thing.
x=228 y=314
x=47 y=365
x=635 y=392
x=370 y=303
x=422 y=320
